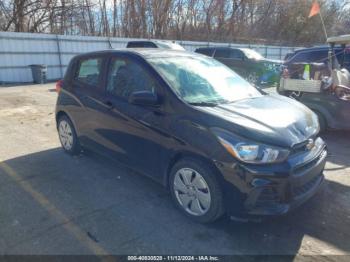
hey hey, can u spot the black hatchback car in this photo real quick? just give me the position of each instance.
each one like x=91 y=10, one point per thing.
x=192 y=124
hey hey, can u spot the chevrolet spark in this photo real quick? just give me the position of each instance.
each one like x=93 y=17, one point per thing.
x=189 y=122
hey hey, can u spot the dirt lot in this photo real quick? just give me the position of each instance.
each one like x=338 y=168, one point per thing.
x=52 y=203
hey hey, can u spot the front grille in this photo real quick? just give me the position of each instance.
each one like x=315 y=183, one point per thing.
x=300 y=190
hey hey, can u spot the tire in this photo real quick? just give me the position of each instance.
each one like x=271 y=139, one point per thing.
x=196 y=191
x=68 y=136
x=252 y=78
x=322 y=122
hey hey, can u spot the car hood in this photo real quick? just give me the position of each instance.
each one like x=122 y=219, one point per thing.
x=270 y=119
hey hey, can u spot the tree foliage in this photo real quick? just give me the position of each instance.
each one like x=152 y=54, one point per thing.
x=249 y=21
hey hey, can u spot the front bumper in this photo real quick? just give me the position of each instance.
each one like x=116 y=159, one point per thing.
x=275 y=189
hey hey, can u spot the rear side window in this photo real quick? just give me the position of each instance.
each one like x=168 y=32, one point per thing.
x=89 y=71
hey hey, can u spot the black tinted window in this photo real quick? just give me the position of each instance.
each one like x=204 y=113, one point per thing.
x=236 y=54
x=318 y=56
x=126 y=76
x=300 y=57
x=310 y=57
x=222 y=53
x=89 y=71
x=208 y=52
x=343 y=54
x=141 y=44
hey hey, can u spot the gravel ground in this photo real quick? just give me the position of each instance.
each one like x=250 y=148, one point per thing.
x=52 y=203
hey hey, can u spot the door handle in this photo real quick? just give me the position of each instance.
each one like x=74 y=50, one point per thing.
x=109 y=105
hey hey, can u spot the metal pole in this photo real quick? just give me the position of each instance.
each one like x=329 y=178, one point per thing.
x=280 y=52
x=324 y=28
x=59 y=54
x=109 y=42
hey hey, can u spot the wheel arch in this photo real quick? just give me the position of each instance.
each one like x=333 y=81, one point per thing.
x=61 y=113
x=318 y=110
x=177 y=156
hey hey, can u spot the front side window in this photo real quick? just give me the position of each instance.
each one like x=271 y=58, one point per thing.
x=236 y=54
x=222 y=53
x=126 y=76
x=198 y=79
x=89 y=71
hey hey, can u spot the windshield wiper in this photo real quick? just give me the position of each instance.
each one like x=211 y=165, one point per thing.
x=203 y=104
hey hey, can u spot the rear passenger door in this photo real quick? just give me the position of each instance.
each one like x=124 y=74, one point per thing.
x=87 y=88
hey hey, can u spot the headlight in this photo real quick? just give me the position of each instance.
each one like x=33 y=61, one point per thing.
x=248 y=151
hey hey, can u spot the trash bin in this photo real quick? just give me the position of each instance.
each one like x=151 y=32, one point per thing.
x=39 y=73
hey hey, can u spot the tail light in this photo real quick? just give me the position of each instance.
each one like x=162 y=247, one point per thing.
x=59 y=85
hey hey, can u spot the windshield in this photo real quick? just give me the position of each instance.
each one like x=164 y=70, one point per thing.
x=252 y=54
x=199 y=79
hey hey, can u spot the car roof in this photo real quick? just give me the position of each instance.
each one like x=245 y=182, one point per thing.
x=151 y=41
x=143 y=52
x=315 y=48
x=219 y=47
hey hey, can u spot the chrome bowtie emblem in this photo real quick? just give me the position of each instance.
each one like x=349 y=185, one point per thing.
x=310 y=144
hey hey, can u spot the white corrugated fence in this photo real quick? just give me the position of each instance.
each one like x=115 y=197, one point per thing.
x=19 y=50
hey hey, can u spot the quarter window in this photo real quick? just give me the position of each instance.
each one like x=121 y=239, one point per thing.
x=89 y=71
x=126 y=76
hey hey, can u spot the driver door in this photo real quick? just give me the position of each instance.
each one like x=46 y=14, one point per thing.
x=131 y=132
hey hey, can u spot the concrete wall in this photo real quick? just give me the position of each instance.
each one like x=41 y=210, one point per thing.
x=18 y=50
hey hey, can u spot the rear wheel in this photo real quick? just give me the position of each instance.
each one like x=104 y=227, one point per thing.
x=68 y=136
x=196 y=191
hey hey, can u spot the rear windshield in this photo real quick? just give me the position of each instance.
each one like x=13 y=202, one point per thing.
x=141 y=45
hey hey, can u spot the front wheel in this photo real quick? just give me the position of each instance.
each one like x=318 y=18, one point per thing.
x=196 y=191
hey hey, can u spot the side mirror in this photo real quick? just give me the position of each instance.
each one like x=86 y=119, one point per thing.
x=146 y=98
